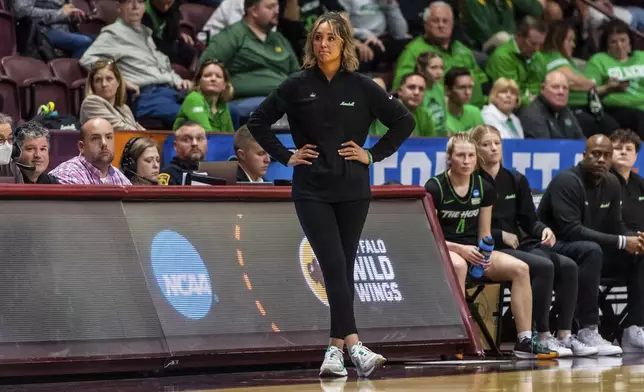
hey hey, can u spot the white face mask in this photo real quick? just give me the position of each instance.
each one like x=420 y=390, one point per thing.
x=5 y=153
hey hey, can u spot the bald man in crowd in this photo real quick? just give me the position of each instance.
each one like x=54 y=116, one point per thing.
x=93 y=165
x=191 y=146
x=582 y=205
x=548 y=116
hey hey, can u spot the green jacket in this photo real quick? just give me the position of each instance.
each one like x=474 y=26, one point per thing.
x=256 y=67
x=197 y=108
x=506 y=61
x=424 y=125
x=457 y=55
x=484 y=18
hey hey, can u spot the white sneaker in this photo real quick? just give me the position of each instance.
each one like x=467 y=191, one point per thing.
x=578 y=348
x=365 y=360
x=554 y=344
x=590 y=337
x=633 y=339
x=333 y=365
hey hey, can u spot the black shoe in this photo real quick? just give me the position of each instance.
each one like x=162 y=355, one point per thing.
x=529 y=348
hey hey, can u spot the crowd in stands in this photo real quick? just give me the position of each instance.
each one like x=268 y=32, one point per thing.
x=477 y=71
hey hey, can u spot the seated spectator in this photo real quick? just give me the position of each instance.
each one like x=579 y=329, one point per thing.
x=411 y=93
x=7 y=165
x=461 y=116
x=163 y=17
x=518 y=59
x=439 y=26
x=94 y=163
x=191 y=146
x=58 y=19
x=257 y=58
x=146 y=70
x=141 y=161
x=548 y=116
x=32 y=140
x=504 y=99
x=253 y=160
x=629 y=12
x=518 y=232
x=557 y=56
x=208 y=104
x=583 y=204
x=626 y=146
x=226 y=14
x=463 y=204
x=618 y=61
x=491 y=23
x=381 y=25
x=430 y=65
x=105 y=97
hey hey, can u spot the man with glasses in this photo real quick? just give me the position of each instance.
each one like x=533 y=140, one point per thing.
x=146 y=70
x=190 y=145
x=518 y=59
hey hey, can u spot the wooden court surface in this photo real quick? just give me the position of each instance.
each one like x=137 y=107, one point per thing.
x=570 y=375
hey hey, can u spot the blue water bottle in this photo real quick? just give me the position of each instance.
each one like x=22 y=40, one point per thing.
x=486 y=246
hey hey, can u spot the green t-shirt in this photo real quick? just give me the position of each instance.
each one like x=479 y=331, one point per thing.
x=197 y=108
x=424 y=125
x=434 y=102
x=555 y=60
x=457 y=55
x=506 y=61
x=602 y=66
x=256 y=67
x=470 y=118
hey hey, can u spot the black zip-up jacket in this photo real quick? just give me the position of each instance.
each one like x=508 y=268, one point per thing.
x=577 y=209
x=173 y=173
x=513 y=211
x=632 y=200
x=326 y=114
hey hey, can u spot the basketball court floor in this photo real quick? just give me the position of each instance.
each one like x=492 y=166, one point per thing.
x=575 y=375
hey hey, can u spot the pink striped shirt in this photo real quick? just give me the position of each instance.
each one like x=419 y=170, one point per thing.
x=79 y=171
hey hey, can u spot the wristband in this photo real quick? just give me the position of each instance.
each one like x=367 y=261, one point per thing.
x=370 y=158
x=621 y=243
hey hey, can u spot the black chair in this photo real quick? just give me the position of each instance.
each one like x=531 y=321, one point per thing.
x=470 y=299
x=611 y=323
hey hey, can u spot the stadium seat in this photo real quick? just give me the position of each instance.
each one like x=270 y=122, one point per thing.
x=94 y=23
x=74 y=75
x=37 y=85
x=194 y=17
x=11 y=98
x=7 y=34
x=2 y=6
x=107 y=10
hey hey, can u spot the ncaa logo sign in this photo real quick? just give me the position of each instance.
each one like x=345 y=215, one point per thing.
x=312 y=271
x=181 y=274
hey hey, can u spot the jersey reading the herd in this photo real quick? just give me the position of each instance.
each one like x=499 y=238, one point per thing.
x=459 y=216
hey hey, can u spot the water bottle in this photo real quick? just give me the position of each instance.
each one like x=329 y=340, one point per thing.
x=486 y=246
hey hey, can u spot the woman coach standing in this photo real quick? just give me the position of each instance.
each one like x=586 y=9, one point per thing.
x=330 y=108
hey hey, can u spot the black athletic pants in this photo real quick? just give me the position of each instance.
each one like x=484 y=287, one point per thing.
x=333 y=230
x=547 y=270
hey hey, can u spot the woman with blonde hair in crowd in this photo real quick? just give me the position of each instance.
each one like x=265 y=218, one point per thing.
x=518 y=232
x=207 y=105
x=463 y=203
x=105 y=97
x=504 y=99
x=431 y=66
x=141 y=161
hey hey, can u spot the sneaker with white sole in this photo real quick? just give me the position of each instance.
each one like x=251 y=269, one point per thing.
x=365 y=360
x=591 y=337
x=554 y=344
x=333 y=365
x=633 y=340
x=578 y=348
